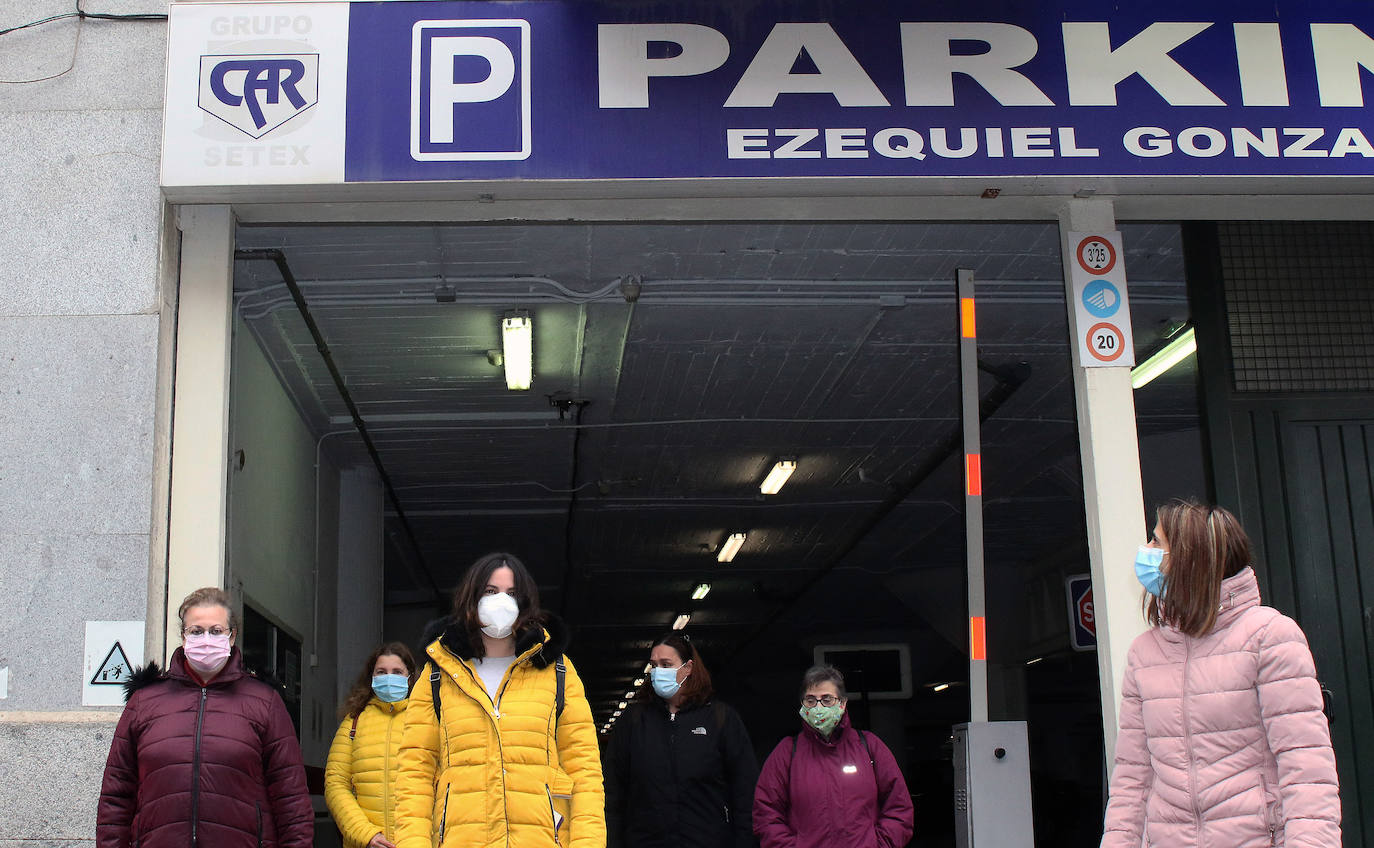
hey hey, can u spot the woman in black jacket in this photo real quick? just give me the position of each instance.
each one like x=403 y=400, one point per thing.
x=679 y=769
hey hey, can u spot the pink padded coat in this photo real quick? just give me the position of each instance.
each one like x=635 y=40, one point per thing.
x=1223 y=742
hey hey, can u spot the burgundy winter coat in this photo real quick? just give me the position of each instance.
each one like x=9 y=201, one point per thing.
x=1223 y=741
x=215 y=766
x=831 y=795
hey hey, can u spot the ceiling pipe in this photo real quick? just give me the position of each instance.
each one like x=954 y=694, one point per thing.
x=277 y=257
x=632 y=288
x=1009 y=379
x=576 y=407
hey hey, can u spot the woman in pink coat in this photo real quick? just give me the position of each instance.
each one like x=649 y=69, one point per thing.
x=1223 y=743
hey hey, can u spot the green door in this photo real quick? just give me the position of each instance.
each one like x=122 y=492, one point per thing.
x=1329 y=477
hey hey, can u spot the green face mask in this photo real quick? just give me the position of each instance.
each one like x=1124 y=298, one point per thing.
x=823 y=718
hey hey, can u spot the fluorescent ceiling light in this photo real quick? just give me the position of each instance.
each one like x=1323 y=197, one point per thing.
x=517 y=344
x=733 y=543
x=1034 y=661
x=940 y=687
x=639 y=681
x=681 y=621
x=700 y=591
x=1180 y=348
x=629 y=696
x=772 y=484
x=615 y=714
x=647 y=667
x=622 y=705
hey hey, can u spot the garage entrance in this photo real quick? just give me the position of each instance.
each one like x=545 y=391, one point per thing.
x=674 y=365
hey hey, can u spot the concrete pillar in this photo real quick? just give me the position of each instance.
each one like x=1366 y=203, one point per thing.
x=1112 y=496
x=200 y=408
x=360 y=593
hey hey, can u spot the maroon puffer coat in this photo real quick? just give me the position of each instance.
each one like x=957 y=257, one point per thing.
x=826 y=793
x=215 y=766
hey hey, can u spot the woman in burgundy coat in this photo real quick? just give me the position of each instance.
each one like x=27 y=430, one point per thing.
x=205 y=754
x=831 y=786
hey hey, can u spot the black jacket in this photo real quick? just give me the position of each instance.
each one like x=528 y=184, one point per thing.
x=684 y=783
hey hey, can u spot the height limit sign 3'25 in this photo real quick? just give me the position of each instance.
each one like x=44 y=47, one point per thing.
x=1099 y=295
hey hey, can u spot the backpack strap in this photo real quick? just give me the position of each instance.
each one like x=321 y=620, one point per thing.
x=434 y=678
x=353 y=731
x=560 y=675
x=871 y=762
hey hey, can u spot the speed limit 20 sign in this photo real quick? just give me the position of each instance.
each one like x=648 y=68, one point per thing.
x=1098 y=277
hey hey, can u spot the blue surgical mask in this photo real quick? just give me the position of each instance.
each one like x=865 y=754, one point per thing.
x=664 y=681
x=1147 y=569
x=391 y=687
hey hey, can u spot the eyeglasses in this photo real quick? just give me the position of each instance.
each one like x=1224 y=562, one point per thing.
x=201 y=631
x=824 y=700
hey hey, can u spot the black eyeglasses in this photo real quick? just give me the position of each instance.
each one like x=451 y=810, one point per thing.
x=824 y=700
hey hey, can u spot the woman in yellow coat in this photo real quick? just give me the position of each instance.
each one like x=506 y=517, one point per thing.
x=496 y=764
x=361 y=770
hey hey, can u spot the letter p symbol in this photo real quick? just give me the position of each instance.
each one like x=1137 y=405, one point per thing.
x=444 y=93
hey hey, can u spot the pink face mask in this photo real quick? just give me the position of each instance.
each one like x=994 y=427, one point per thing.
x=206 y=652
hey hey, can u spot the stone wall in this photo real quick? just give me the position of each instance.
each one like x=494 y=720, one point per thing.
x=81 y=306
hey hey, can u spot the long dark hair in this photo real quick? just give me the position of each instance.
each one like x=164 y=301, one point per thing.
x=696 y=689
x=361 y=692
x=1206 y=545
x=474 y=583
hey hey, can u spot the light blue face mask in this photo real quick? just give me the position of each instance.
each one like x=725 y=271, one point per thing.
x=664 y=681
x=1147 y=569
x=391 y=687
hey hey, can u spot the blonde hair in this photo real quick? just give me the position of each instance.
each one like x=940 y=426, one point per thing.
x=209 y=596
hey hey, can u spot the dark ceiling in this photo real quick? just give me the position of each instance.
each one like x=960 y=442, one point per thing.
x=832 y=343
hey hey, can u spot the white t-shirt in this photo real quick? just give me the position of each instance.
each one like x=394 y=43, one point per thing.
x=491 y=670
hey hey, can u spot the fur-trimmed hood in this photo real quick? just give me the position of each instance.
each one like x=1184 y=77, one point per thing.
x=456 y=640
x=143 y=675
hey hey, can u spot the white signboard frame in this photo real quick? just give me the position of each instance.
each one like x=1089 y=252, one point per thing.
x=113 y=650
x=255 y=94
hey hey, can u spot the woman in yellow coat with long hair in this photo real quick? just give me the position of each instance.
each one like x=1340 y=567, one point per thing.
x=495 y=763
x=363 y=761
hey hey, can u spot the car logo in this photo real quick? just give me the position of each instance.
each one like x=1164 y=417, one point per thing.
x=256 y=94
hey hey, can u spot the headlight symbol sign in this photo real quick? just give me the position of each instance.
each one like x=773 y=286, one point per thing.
x=1102 y=299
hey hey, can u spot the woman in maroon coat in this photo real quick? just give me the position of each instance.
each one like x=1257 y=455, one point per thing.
x=831 y=785
x=205 y=754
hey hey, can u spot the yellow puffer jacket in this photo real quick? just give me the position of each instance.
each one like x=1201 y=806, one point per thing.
x=491 y=776
x=361 y=771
